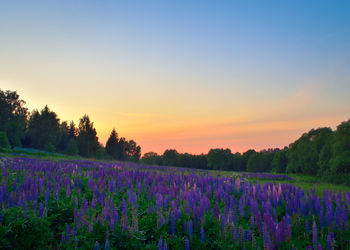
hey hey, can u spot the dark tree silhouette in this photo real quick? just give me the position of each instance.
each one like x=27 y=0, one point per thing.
x=170 y=157
x=43 y=129
x=87 y=139
x=72 y=131
x=133 y=151
x=112 y=145
x=13 y=116
x=219 y=158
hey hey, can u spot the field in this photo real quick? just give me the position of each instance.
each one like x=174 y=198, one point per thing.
x=81 y=204
x=308 y=183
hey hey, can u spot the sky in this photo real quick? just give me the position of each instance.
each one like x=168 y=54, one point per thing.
x=188 y=75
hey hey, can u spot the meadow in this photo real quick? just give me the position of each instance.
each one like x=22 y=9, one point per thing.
x=82 y=204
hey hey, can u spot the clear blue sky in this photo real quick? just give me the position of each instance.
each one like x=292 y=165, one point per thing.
x=190 y=75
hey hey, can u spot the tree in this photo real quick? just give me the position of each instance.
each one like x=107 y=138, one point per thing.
x=133 y=151
x=303 y=154
x=43 y=128
x=13 y=116
x=122 y=145
x=279 y=162
x=246 y=155
x=237 y=163
x=324 y=159
x=185 y=161
x=170 y=157
x=100 y=152
x=112 y=145
x=152 y=158
x=4 y=142
x=72 y=133
x=87 y=139
x=72 y=147
x=219 y=158
x=260 y=161
x=64 y=136
x=340 y=161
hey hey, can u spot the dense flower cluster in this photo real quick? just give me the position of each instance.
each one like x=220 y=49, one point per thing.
x=168 y=208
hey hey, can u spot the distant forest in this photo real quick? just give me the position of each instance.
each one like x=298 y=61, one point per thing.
x=320 y=152
x=44 y=130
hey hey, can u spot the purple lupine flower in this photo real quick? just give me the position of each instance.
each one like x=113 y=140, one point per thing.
x=187 y=244
x=202 y=234
x=259 y=221
x=329 y=242
x=68 y=191
x=307 y=226
x=97 y=246
x=247 y=235
x=165 y=245
x=160 y=244
x=173 y=224
x=217 y=210
x=314 y=234
x=267 y=242
x=107 y=244
x=190 y=228
x=123 y=207
x=57 y=196
x=41 y=210
x=47 y=195
x=67 y=232
x=252 y=224
x=63 y=238
x=73 y=232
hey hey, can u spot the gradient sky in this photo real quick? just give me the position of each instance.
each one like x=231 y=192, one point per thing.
x=189 y=75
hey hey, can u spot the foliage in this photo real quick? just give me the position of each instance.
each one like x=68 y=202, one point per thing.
x=72 y=147
x=87 y=138
x=219 y=159
x=303 y=154
x=132 y=151
x=279 y=162
x=260 y=162
x=43 y=128
x=152 y=158
x=112 y=145
x=4 y=142
x=50 y=147
x=13 y=116
x=170 y=157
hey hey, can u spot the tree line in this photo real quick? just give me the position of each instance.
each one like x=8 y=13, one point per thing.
x=44 y=130
x=321 y=152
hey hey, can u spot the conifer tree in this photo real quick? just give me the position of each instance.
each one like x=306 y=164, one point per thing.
x=112 y=145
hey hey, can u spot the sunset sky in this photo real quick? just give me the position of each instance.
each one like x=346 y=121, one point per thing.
x=189 y=75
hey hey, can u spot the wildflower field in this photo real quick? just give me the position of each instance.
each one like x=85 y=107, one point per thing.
x=80 y=204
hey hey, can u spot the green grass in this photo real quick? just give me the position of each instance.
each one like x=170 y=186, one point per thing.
x=305 y=182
